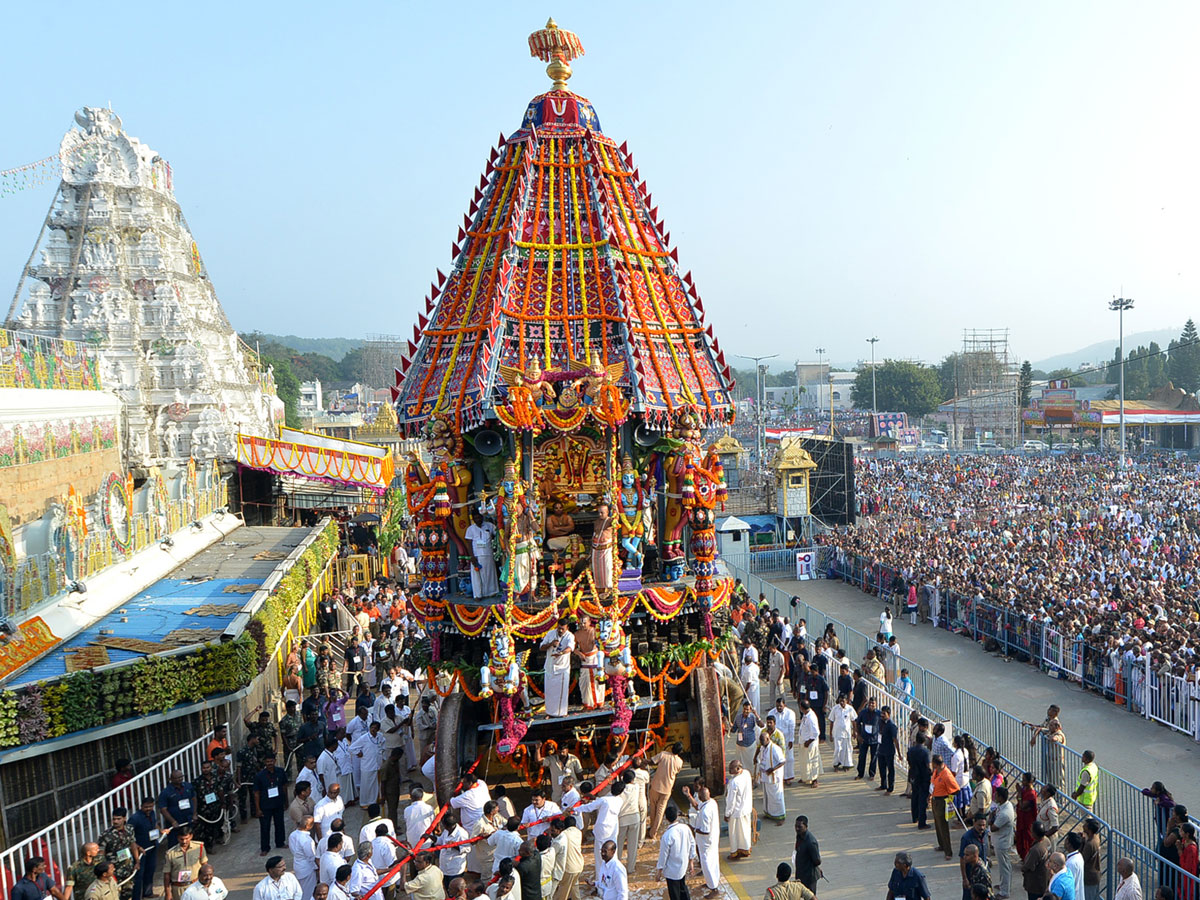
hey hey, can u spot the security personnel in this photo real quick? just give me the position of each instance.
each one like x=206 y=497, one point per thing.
x=1089 y=778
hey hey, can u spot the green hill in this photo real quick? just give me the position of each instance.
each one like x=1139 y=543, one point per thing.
x=334 y=348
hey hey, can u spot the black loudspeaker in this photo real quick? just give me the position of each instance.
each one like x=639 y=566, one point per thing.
x=831 y=484
x=645 y=436
x=488 y=442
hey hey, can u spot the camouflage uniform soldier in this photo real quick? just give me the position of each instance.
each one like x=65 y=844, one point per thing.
x=120 y=849
x=223 y=768
x=209 y=806
x=265 y=732
x=248 y=766
x=289 y=726
x=82 y=873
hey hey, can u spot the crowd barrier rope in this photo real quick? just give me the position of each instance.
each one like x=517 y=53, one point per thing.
x=1130 y=825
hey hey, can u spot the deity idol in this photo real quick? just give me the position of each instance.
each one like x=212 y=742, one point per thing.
x=633 y=514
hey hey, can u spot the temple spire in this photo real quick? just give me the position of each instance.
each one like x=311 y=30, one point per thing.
x=557 y=47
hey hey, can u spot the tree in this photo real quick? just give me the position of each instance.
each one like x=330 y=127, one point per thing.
x=948 y=376
x=1025 y=385
x=900 y=386
x=1183 y=365
x=287 y=386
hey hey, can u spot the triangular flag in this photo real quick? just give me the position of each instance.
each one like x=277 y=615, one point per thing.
x=395 y=394
x=399 y=377
x=422 y=320
x=461 y=234
x=441 y=278
x=675 y=254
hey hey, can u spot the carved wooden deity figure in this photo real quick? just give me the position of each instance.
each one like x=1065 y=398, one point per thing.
x=633 y=514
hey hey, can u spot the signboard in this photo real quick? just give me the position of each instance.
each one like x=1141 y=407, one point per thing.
x=806 y=564
x=888 y=424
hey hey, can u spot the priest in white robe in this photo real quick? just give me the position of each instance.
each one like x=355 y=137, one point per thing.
x=739 y=805
x=559 y=645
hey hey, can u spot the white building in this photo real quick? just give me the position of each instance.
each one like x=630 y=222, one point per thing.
x=116 y=267
x=311 y=402
x=816 y=390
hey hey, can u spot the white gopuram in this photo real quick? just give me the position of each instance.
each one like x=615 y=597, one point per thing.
x=116 y=267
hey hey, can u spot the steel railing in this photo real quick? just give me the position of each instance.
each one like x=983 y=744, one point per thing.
x=61 y=843
x=1128 y=818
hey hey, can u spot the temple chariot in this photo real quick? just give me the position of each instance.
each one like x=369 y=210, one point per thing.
x=563 y=378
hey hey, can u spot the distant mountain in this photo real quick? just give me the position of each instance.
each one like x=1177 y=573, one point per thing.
x=334 y=348
x=1103 y=351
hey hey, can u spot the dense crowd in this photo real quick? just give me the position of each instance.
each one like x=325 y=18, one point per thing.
x=1107 y=556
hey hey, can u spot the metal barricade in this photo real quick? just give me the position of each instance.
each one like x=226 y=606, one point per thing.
x=1150 y=868
x=60 y=843
x=978 y=718
x=941 y=696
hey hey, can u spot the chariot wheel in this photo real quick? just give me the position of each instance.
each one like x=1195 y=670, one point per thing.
x=704 y=721
x=457 y=744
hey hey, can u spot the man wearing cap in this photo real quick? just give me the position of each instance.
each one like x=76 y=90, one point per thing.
x=182 y=865
x=279 y=884
x=270 y=800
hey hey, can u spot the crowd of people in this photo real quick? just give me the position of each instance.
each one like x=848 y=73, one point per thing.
x=1108 y=558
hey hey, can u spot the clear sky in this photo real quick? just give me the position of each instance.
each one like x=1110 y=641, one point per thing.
x=829 y=171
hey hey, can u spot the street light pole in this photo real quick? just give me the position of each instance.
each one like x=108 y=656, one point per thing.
x=1119 y=305
x=820 y=365
x=759 y=443
x=874 y=403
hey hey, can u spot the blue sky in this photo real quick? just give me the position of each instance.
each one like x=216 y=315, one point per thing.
x=828 y=171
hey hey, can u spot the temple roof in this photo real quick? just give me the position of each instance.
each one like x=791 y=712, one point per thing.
x=792 y=456
x=562 y=256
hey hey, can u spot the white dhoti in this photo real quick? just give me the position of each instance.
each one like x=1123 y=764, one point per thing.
x=789 y=763
x=811 y=756
x=347 y=782
x=558 y=543
x=602 y=567
x=591 y=689
x=557 y=686
x=710 y=858
x=843 y=750
x=774 y=805
x=368 y=789
x=753 y=694
x=308 y=883
x=524 y=571
x=740 y=837
x=484 y=581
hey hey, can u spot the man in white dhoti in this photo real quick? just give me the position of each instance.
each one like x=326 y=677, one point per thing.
x=750 y=683
x=842 y=720
x=368 y=747
x=559 y=643
x=785 y=722
x=559 y=527
x=770 y=775
x=739 y=804
x=810 y=747
x=484 y=582
x=345 y=769
x=706 y=825
x=304 y=857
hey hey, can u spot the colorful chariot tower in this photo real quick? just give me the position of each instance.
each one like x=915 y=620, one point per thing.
x=563 y=376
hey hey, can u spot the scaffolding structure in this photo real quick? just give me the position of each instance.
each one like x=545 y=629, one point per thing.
x=986 y=375
x=381 y=356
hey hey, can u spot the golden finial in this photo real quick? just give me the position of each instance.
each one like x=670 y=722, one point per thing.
x=557 y=47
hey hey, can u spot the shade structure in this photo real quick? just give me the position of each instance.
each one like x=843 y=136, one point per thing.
x=562 y=261
x=318 y=458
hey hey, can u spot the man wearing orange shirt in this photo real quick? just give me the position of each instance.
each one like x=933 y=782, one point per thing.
x=219 y=739
x=944 y=786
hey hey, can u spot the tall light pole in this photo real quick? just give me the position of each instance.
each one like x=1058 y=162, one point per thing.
x=874 y=403
x=820 y=365
x=759 y=443
x=1119 y=305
